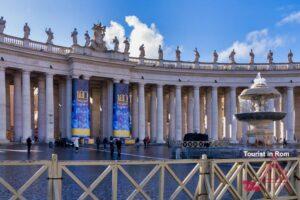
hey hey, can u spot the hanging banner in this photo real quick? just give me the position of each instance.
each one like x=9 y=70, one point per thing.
x=80 y=108
x=121 y=115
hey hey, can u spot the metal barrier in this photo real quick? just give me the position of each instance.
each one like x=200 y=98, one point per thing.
x=265 y=178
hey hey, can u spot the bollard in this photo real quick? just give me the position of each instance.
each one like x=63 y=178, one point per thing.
x=54 y=179
x=202 y=193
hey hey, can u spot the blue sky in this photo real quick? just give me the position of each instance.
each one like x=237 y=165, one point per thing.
x=207 y=25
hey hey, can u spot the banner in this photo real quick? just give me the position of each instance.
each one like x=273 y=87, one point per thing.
x=80 y=108
x=121 y=115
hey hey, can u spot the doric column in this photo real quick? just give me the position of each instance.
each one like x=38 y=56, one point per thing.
x=290 y=116
x=8 y=111
x=110 y=96
x=3 y=138
x=233 y=111
x=214 y=113
x=172 y=114
x=49 y=109
x=68 y=107
x=190 y=112
x=26 y=105
x=178 y=114
x=17 y=106
x=196 y=109
x=41 y=109
x=227 y=113
x=62 y=107
x=141 y=111
x=153 y=115
x=160 y=110
x=135 y=111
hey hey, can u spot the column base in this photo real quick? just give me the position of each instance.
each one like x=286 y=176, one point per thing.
x=160 y=142
x=233 y=141
x=291 y=141
x=50 y=140
x=4 y=141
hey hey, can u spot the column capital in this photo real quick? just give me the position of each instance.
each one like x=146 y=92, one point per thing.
x=141 y=84
x=26 y=71
x=2 y=68
x=233 y=87
x=214 y=87
x=196 y=87
x=290 y=87
x=116 y=80
x=126 y=81
x=159 y=85
x=49 y=75
x=178 y=86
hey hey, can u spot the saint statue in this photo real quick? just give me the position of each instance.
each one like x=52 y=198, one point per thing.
x=50 y=36
x=127 y=45
x=26 y=31
x=178 y=52
x=98 y=42
x=290 y=57
x=116 y=42
x=231 y=56
x=216 y=56
x=251 y=54
x=142 y=51
x=270 y=57
x=197 y=55
x=160 y=53
x=87 y=39
x=2 y=25
x=74 y=36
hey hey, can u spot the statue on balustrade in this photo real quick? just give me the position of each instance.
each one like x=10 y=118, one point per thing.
x=50 y=36
x=127 y=46
x=231 y=57
x=142 y=51
x=26 y=31
x=74 y=36
x=116 y=42
x=178 y=52
x=270 y=57
x=197 y=55
x=87 y=39
x=216 y=56
x=2 y=25
x=98 y=43
x=290 y=57
x=160 y=53
x=251 y=54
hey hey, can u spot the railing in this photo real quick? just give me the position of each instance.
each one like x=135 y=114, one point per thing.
x=264 y=178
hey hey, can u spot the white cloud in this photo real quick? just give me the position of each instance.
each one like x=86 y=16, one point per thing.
x=115 y=29
x=291 y=18
x=143 y=34
x=258 y=40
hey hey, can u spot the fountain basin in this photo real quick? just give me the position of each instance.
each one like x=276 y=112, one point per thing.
x=253 y=116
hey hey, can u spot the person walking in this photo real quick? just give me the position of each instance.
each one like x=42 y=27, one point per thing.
x=76 y=145
x=29 y=143
x=112 y=147
x=137 y=141
x=119 y=146
x=105 y=141
x=98 y=143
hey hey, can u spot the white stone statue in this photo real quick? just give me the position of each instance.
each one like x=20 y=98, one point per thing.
x=74 y=36
x=50 y=36
x=160 y=53
x=197 y=55
x=178 y=52
x=127 y=46
x=116 y=42
x=216 y=56
x=142 y=51
x=251 y=54
x=98 y=42
x=2 y=24
x=87 y=39
x=270 y=57
x=26 y=31
x=290 y=57
x=231 y=56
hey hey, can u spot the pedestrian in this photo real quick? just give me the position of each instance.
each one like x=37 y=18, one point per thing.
x=145 y=142
x=76 y=144
x=112 y=147
x=98 y=143
x=137 y=141
x=105 y=141
x=28 y=142
x=284 y=142
x=119 y=146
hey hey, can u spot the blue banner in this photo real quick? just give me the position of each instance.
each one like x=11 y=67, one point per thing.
x=80 y=108
x=121 y=115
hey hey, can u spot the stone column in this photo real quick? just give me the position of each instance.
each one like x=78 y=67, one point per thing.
x=141 y=111
x=3 y=138
x=178 y=114
x=196 y=110
x=233 y=110
x=41 y=109
x=26 y=106
x=8 y=111
x=17 y=106
x=172 y=114
x=110 y=96
x=227 y=112
x=49 y=109
x=202 y=111
x=190 y=115
x=160 y=110
x=214 y=113
x=153 y=115
x=135 y=111
x=290 y=116
x=68 y=115
x=62 y=107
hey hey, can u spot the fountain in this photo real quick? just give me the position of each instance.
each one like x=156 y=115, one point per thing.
x=258 y=111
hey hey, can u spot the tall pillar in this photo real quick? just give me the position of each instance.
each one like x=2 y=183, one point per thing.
x=17 y=106
x=202 y=111
x=49 y=109
x=3 y=138
x=233 y=111
x=62 y=107
x=208 y=111
x=160 y=110
x=227 y=112
x=178 y=114
x=196 y=110
x=68 y=109
x=8 y=111
x=135 y=111
x=26 y=105
x=172 y=115
x=110 y=96
x=141 y=111
x=190 y=116
x=214 y=113
x=290 y=117
x=41 y=109
x=153 y=115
